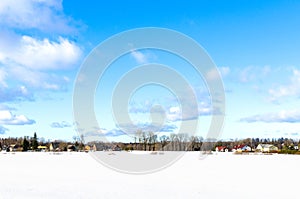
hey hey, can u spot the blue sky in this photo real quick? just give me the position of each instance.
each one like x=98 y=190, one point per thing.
x=255 y=45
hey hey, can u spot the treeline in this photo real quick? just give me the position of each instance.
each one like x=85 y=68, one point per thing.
x=183 y=142
x=146 y=141
x=281 y=143
x=34 y=143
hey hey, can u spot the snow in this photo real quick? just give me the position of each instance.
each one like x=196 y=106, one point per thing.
x=79 y=175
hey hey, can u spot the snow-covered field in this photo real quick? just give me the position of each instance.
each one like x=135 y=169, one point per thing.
x=78 y=175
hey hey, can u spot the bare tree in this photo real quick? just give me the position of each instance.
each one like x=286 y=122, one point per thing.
x=164 y=141
x=138 y=136
x=182 y=139
x=145 y=139
x=193 y=143
x=173 y=138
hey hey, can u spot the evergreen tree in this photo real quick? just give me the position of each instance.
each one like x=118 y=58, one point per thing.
x=25 y=144
x=34 y=142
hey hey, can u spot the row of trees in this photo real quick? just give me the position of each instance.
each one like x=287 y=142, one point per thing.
x=149 y=141
x=175 y=142
x=27 y=143
x=281 y=143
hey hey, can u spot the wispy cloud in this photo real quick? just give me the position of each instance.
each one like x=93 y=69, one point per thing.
x=129 y=129
x=8 y=118
x=105 y=133
x=62 y=124
x=280 y=117
x=132 y=129
x=213 y=74
x=114 y=133
x=3 y=130
x=22 y=14
x=172 y=111
x=253 y=73
x=15 y=94
x=290 y=89
x=3 y=76
x=147 y=127
x=139 y=57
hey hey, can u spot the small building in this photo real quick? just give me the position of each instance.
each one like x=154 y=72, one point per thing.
x=87 y=148
x=42 y=148
x=238 y=148
x=117 y=148
x=94 y=148
x=221 y=149
x=14 y=147
x=51 y=148
x=246 y=148
x=267 y=148
x=71 y=148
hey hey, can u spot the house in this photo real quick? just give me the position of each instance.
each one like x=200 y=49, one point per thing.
x=241 y=148
x=221 y=149
x=87 y=148
x=94 y=148
x=54 y=146
x=238 y=148
x=14 y=147
x=42 y=148
x=71 y=148
x=51 y=147
x=267 y=148
x=246 y=148
x=117 y=148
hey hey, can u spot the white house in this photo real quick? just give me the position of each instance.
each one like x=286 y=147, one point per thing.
x=246 y=148
x=266 y=148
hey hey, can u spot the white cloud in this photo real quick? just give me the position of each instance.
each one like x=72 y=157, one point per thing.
x=139 y=57
x=171 y=108
x=175 y=112
x=15 y=94
x=3 y=76
x=246 y=75
x=45 y=54
x=37 y=79
x=43 y=15
x=215 y=73
x=224 y=70
x=3 y=130
x=131 y=129
x=37 y=54
x=62 y=124
x=253 y=73
x=7 y=118
x=291 y=89
x=282 y=116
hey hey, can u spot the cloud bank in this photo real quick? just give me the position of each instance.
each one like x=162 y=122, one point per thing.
x=62 y=124
x=280 y=117
x=7 y=118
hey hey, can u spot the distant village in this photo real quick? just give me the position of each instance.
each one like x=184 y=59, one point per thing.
x=151 y=142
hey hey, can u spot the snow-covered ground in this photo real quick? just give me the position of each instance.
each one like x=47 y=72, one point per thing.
x=78 y=175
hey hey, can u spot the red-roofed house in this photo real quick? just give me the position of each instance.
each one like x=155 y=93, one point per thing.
x=221 y=149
